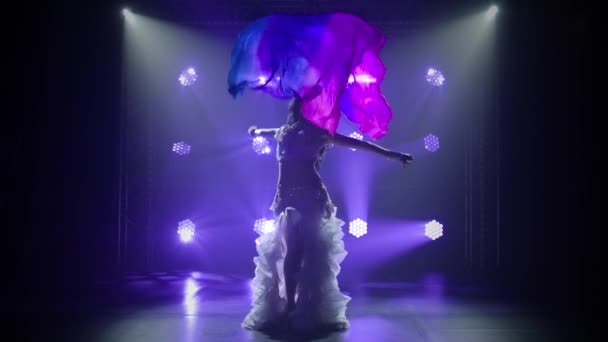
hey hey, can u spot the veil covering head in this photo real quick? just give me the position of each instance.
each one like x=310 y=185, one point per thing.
x=331 y=62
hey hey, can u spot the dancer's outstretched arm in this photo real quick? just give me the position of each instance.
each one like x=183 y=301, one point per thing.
x=265 y=132
x=371 y=147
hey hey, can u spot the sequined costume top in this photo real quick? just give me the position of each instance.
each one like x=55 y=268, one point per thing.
x=300 y=150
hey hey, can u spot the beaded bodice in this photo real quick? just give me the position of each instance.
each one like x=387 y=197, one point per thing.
x=300 y=150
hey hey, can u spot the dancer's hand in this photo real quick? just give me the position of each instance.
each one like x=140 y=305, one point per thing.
x=251 y=130
x=403 y=158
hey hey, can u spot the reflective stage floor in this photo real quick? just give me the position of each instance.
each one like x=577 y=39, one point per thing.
x=204 y=307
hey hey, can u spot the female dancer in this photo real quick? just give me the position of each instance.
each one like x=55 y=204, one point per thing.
x=298 y=263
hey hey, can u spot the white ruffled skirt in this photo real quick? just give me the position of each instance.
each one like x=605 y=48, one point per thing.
x=319 y=302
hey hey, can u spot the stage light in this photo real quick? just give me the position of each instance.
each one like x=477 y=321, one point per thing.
x=433 y=230
x=261 y=145
x=263 y=226
x=128 y=15
x=181 y=148
x=362 y=79
x=491 y=12
x=357 y=228
x=186 y=230
x=435 y=77
x=357 y=136
x=187 y=77
x=431 y=143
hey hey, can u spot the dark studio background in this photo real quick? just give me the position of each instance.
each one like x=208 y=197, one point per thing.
x=60 y=167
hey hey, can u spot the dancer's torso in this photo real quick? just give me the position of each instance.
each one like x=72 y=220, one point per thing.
x=300 y=149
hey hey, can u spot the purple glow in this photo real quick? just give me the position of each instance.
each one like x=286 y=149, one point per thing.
x=398 y=238
x=263 y=226
x=435 y=77
x=261 y=145
x=431 y=143
x=433 y=230
x=187 y=77
x=434 y=286
x=357 y=136
x=358 y=228
x=186 y=230
x=181 y=148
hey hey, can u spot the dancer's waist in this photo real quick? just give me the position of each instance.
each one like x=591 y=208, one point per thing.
x=298 y=166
